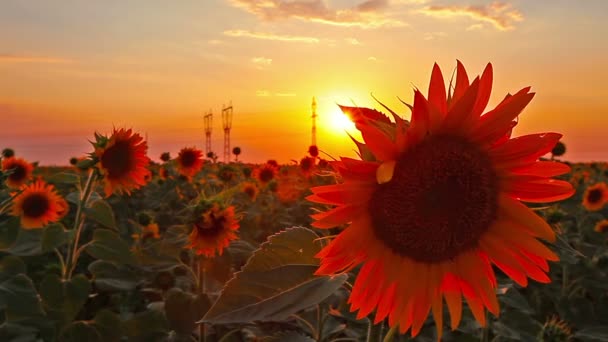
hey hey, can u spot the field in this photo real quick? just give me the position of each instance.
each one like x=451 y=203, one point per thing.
x=135 y=275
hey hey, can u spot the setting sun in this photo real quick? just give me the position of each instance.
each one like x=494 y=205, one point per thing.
x=339 y=122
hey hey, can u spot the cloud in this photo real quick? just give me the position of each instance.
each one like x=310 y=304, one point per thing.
x=9 y=58
x=434 y=35
x=271 y=36
x=372 y=59
x=367 y=14
x=261 y=62
x=500 y=14
x=266 y=93
x=353 y=41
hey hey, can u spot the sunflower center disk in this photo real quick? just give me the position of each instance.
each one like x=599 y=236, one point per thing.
x=18 y=173
x=595 y=196
x=211 y=226
x=188 y=158
x=117 y=159
x=443 y=196
x=35 y=205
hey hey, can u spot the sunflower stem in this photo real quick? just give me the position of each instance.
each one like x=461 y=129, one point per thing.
x=564 y=280
x=72 y=256
x=390 y=334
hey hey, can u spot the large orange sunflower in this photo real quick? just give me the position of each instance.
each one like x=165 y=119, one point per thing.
x=123 y=161
x=38 y=205
x=213 y=231
x=20 y=174
x=436 y=202
x=189 y=161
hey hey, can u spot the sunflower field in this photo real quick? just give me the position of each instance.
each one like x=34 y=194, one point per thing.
x=446 y=228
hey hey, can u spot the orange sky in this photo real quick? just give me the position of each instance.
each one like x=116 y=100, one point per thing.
x=68 y=68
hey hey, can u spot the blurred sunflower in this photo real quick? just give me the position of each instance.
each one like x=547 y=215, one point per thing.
x=213 y=231
x=265 y=173
x=307 y=166
x=21 y=171
x=595 y=196
x=436 y=202
x=163 y=173
x=189 y=161
x=602 y=226
x=38 y=205
x=149 y=231
x=122 y=161
x=250 y=189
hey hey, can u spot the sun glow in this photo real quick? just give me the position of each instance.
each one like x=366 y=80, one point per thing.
x=340 y=122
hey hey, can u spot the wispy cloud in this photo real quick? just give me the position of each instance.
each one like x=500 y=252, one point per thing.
x=434 y=35
x=261 y=62
x=266 y=93
x=10 y=58
x=271 y=36
x=367 y=14
x=353 y=41
x=501 y=15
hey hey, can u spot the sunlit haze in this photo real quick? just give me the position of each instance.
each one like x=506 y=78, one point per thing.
x=69 y=68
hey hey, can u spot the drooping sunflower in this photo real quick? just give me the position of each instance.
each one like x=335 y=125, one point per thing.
x=123 y=162
x=189 y=161
x=213 y=231
x=38 y=205
x=435 y=202
x=595 y=196
x=602 y=226
x=21 y=171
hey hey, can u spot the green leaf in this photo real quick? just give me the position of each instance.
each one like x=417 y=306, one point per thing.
x=183 y=310
x=9 y=230
x=101 y=212
x=146 y=326
x=10 y=266
x=53 y=236
x=64 y=299
x=107 y=245
x=277 y=281
x=28 y=243
x=111 y=277
x=291 y=336
x=598 y=333
x=19 y=299
x=108 y=324
x=80 y=331
x=64 y=178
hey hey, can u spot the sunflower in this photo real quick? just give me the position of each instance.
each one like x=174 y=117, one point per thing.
x=213 y=231
x=149 y=231
x=436 y=202
x=20 y=174
x=122 y=161
x=602 y=226
x=265 y=173
x=189 y=161
x=251 y=190
x=307 y=165
x=38 y=205
x=595 y=197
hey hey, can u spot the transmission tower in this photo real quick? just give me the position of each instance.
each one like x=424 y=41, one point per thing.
x=208 y=126
x=314 y=121
x=227 y=123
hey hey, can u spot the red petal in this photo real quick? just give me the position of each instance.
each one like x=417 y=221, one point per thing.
x=539 y=190
x=462 y=82
x=485 y=89
x=437 y=95
x=523 y=150
x=460 y=116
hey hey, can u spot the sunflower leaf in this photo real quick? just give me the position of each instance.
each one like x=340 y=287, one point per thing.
x=277 y=281
x=107 y=245
x=101 y=212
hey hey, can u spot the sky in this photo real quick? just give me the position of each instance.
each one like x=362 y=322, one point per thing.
x=69 y=68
